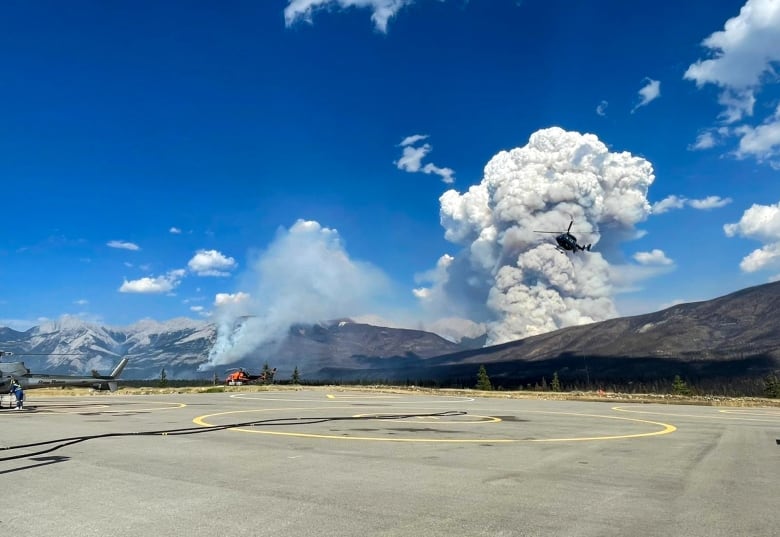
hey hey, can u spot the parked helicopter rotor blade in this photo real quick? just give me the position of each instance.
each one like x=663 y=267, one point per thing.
x=11 y=353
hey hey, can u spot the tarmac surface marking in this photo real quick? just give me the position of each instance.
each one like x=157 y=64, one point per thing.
x=116 y=465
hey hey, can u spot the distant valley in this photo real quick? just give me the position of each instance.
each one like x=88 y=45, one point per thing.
x=732 y=337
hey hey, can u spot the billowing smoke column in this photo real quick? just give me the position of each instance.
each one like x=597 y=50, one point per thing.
x=305 y=276
x=528 y=287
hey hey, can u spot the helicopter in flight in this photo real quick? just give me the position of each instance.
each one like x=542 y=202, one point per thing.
x=566 y=241
x=10 y=371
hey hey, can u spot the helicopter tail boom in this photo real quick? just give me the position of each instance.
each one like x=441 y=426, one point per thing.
x=114 y=374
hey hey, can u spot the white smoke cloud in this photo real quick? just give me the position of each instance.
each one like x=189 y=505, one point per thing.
x=382 y=10
x=511 y=277
x=761 y=223
x=601 y=109
x=304 y=276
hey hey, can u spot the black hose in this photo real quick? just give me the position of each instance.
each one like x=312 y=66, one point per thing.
x=63 y=442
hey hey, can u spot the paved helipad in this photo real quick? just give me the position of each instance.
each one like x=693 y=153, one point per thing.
x=329 y=463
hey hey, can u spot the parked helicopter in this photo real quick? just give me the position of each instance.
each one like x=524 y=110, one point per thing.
x=238 y=376
x=10 y=371
x=566 y=241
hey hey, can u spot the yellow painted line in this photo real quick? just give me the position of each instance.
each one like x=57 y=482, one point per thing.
x=359 y=396
x=698 y=416
x=665 y=429
x=434 y=419
x=171 y=407
x=771 y=412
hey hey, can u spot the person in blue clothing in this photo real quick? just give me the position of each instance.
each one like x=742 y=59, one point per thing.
x=18 y=392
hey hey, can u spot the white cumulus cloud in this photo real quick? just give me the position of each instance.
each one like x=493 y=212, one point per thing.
x=654 y=257
x=741 y=60
x=123 y=245
x=710 y=202
x=411 y=159
x=174 y=230
x=678 y=202
x=224 y=299
x=648 y=93
x=668 y=203
x=705 y=140
x=760 y=223
x=154 y=284
x=381 y=10
x=761 y=142
x=211 y=263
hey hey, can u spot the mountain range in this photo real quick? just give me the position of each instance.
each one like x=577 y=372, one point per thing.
x=734 y=336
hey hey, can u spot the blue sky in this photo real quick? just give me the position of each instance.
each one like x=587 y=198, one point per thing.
x=208 y=159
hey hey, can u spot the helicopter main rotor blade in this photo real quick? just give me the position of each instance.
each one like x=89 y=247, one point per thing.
x=10 y=353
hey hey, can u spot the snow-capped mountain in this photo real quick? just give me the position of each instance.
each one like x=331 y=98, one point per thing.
x=71 y=346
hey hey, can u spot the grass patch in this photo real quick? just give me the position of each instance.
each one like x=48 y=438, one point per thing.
x=610 y=397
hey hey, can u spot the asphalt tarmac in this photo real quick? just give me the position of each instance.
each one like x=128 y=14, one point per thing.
x=340 y=463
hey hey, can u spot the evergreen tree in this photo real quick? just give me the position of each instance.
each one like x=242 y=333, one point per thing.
x=772 y=386
x=296 y=377
x=556 y=383
x=679 y=387
x=483 y=381
x=163 y=379
x=544 y=384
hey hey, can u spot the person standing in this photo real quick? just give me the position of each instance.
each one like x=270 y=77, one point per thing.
x=18 y=392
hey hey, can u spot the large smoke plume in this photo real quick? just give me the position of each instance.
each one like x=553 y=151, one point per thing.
x=305 y=276
x=512 y=277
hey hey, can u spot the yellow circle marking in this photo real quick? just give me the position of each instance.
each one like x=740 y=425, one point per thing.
x=101 y=408
x=665 y=429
